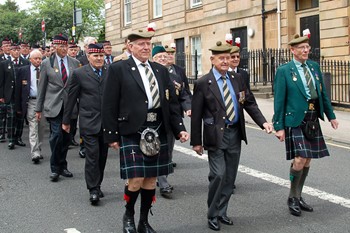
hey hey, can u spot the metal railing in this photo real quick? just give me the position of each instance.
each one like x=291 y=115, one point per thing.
x=253 y=62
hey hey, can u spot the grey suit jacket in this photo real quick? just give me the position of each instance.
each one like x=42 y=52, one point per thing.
x=86 y=86
x=51 y=89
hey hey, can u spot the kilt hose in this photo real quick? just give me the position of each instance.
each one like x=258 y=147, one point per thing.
x=298 y=145
x=133 y=163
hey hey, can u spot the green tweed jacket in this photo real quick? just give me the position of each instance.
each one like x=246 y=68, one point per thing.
x=290 y=99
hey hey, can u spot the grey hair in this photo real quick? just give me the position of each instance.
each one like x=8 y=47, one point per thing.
x=34 y=51
x=89 y=40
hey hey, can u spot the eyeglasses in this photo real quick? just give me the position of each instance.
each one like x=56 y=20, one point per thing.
x=161 y=57
x=235 y=56
x=305 y=47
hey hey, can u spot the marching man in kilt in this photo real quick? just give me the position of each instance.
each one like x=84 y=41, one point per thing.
x=300 y=99
x=139 y=109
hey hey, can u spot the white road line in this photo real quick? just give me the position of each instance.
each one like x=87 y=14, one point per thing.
x=71 y=230
x=276 y=180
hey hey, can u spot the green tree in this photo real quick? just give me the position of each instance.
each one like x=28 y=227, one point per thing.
x=58 y=16
x=10 y=20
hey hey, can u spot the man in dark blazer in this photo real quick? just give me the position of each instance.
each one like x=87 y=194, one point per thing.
x=175 y=69
x=235 y=60
x=300 y=98
x=5 y=46
x=52 y=90
x=107 y=46
x=8 y=73
x=140 y=107
x=26 y=96
x=219 y=98
x=86 y=85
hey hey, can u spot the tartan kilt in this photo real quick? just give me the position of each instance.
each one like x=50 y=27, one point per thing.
x=133 y=163
x=298 y=145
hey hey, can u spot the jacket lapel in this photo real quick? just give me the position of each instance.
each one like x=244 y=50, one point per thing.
x=57 y=71
x=134 y=71
x=316 y=76
x=296 y=78
x=90 y=72
x=214 y=88
x=159 y=80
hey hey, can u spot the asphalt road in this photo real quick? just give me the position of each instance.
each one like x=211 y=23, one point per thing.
x=30 y=203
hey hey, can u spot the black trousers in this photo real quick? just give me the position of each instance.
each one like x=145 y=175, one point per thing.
x=95 y=161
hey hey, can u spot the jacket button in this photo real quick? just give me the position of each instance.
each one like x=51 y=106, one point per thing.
x=221 y=128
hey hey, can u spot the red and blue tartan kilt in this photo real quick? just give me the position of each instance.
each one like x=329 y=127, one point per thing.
x=298 y=145
x=133 y=163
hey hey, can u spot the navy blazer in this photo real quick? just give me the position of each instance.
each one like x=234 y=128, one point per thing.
x=23 y=83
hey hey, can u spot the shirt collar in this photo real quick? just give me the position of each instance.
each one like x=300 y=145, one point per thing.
x=217 y=75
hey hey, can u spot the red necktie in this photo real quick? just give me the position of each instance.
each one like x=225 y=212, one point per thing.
x=63 y=72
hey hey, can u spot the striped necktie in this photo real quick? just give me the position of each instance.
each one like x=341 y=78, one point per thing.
x=311 y=86
x=63 y=72
x=153 y=86
x=37 y=75
x=230 y=112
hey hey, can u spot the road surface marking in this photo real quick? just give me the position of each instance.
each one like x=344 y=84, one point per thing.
x=71 y=230
x=276 y=180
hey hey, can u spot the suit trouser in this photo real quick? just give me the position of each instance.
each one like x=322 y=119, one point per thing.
x=223 y=165
x=59 y=141
x=2 y=118
x=95 y=160
x=36 y=129
x=162 y=180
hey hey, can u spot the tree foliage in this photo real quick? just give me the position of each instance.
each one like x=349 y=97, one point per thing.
x=58 y=17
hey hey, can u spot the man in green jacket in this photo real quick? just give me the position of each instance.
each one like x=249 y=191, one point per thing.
x=300 y=99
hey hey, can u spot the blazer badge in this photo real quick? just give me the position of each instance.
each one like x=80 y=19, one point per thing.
x=167 y=94
x=24 y=82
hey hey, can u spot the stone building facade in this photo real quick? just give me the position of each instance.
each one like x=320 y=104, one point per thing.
x=198 y=24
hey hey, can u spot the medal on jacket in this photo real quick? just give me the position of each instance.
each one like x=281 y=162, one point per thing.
x=9 y=67
x=167 y=94
x=241 y=95
x=56 y=70
x=24 y=82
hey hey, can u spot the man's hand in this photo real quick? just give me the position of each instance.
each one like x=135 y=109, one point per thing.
x=334 y=124
x=184 y=136
x=188 y=113
x=114 y=145
x=38 y=116
x=2 y=100
x=198 y=149
x=281 y=135
x=268 y=127
x=66 y=128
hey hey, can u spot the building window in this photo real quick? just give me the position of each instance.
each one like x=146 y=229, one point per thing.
x=157 y=8
x=196 y=46
x=306 y=4
x=195 y=3
x=127 y=12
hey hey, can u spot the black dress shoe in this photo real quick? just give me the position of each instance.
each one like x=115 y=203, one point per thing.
x=304 y=206
x=94 y=198
x=225 y=220
x=2 y=138
x=41 y=157
x=74 y=143
x=174 y=164
x=214 y=224
x=82 y=154
x=144 y=227
x=100 y=194
x=129 y=224
x=11 y=146
x=166 y=192
x=294 y=207
x=19 y=142
x=36 y=159
x=66 y=173
x=54 y=176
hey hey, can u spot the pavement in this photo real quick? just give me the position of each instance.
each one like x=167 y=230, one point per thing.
x=341 y=135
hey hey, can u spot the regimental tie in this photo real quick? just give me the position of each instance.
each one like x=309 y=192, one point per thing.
x=309 y=82
x=98 y=72
x=153 y=86
x=230 y=111
x=15 y=61
x=37 y=75
x=108 y=60
x=63 y=72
